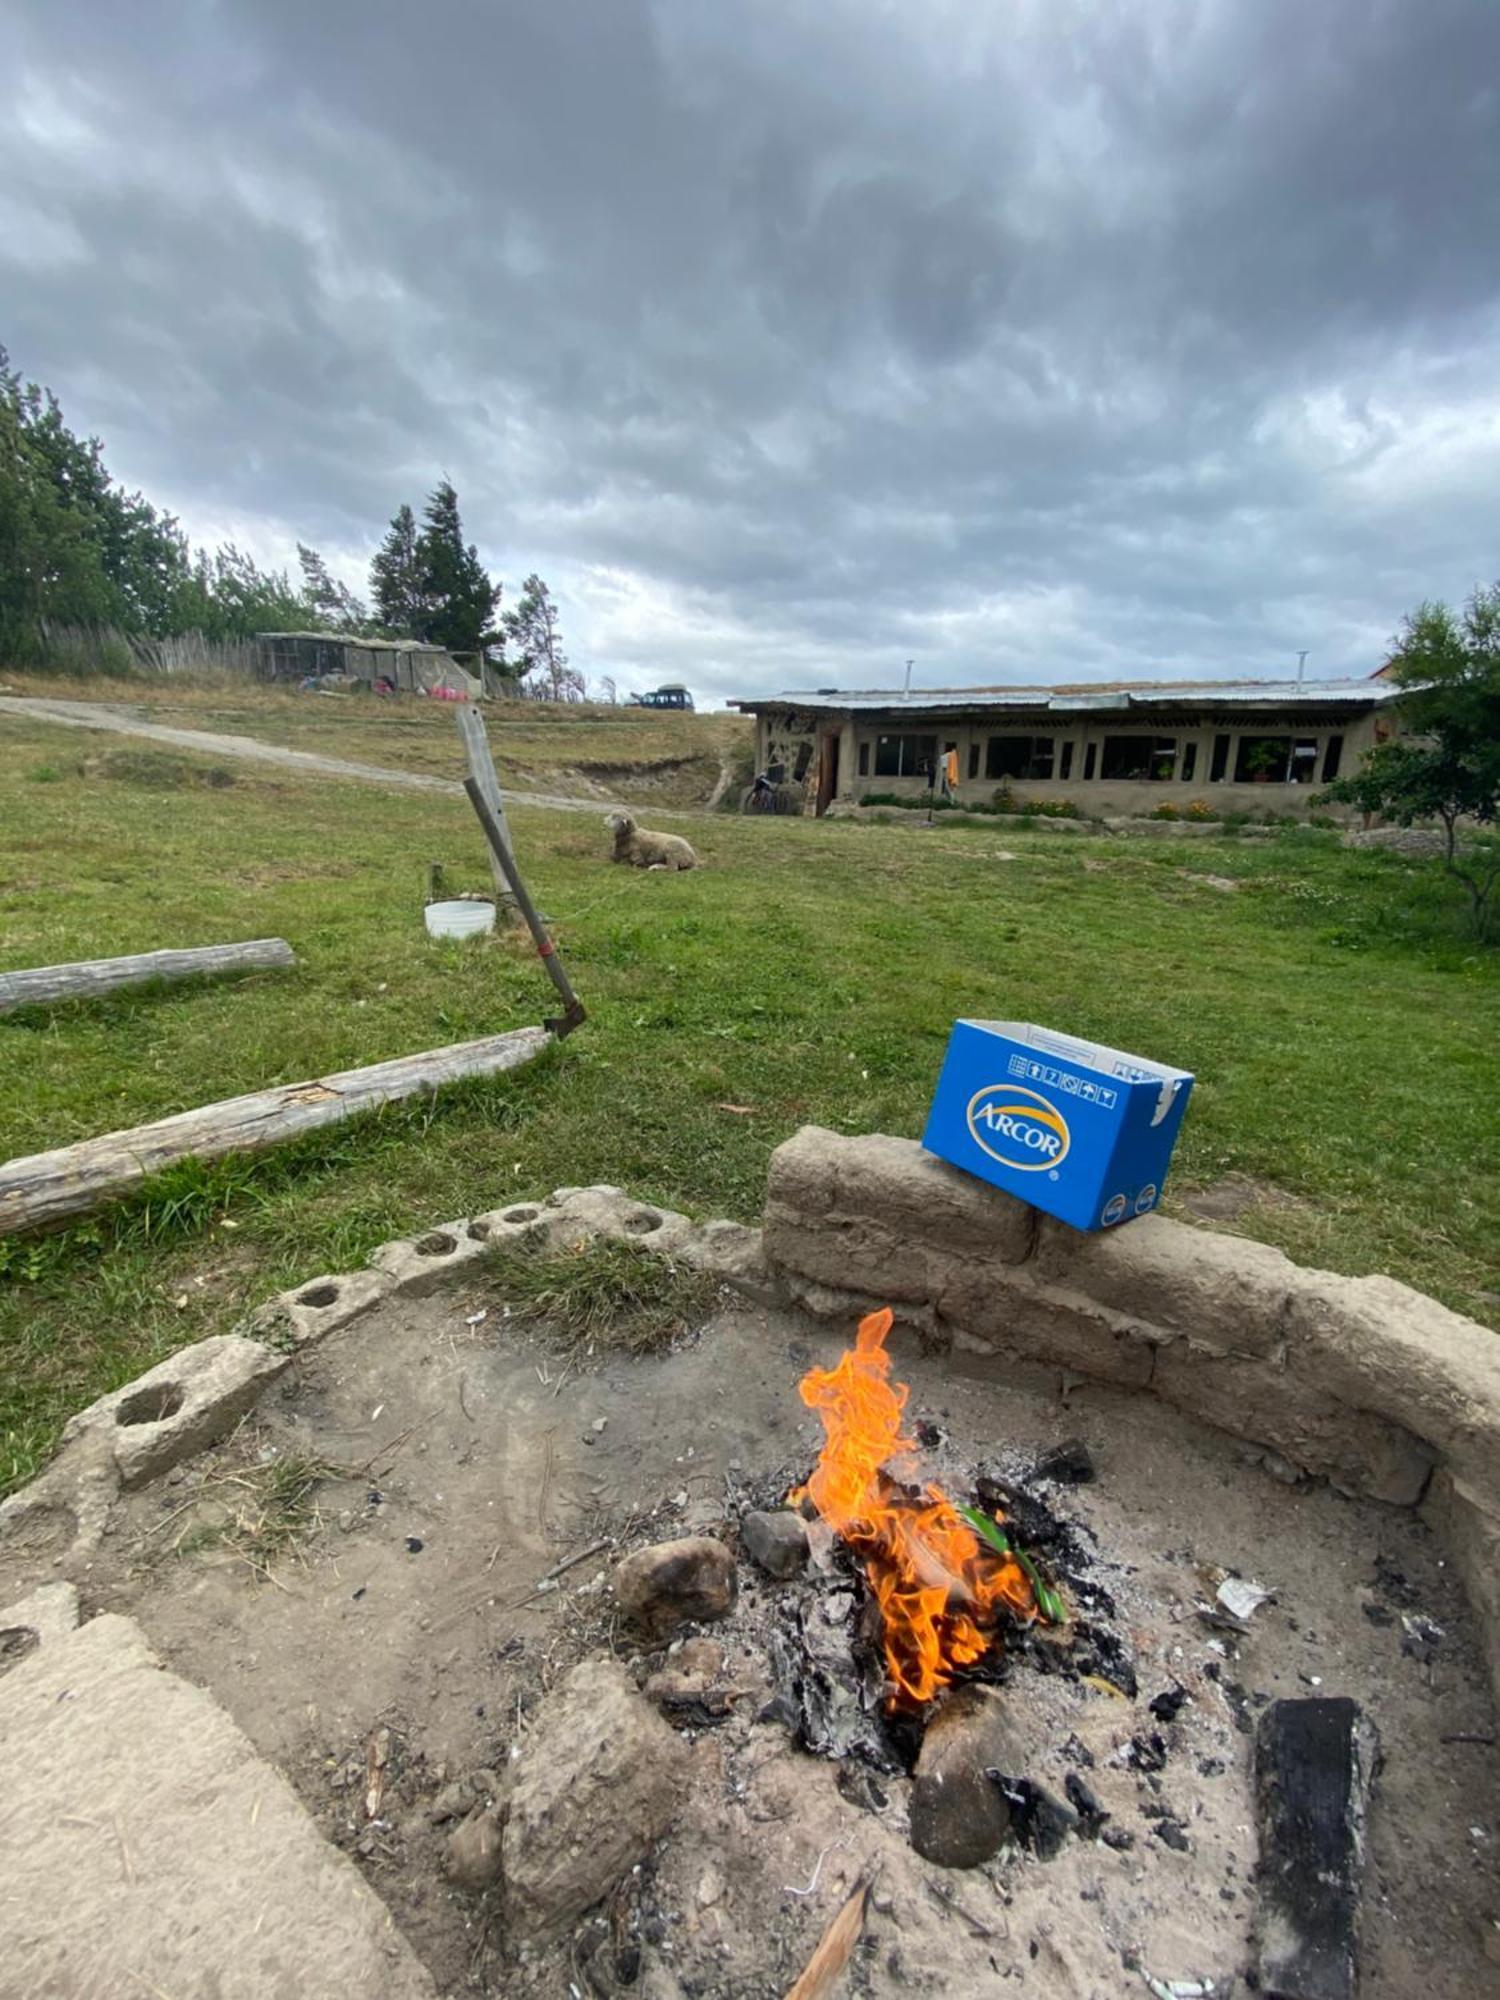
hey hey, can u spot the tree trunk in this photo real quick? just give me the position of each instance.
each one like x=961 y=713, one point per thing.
x=50 y=1188
x=92 y=976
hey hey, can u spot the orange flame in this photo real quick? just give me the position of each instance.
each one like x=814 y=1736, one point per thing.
x=939 y=1588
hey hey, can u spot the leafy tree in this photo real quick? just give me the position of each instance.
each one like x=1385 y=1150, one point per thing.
x=329 y=602
x=541 y=661
x=74 y=546
x=1447 y=768
x=458 y=599
x=396 y=580
x=231 y=597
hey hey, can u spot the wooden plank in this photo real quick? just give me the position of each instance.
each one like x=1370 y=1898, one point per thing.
x=482 y=770
x=1314 y=1765
x=85 y=978
x=823 y=1970
x=50 y=1188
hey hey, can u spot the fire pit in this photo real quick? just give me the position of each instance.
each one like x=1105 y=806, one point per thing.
x=822 y=1632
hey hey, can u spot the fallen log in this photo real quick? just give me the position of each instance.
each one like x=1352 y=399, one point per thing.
x=88 y=977
x=50 y=1188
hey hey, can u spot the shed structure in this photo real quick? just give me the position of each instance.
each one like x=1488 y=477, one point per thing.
x=409 y=665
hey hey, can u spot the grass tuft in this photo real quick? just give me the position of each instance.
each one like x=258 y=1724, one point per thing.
x=601 y=1295
x=269 y=1511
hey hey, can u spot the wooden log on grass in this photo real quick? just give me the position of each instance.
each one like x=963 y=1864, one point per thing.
x=88 y=977
x=50 y=1188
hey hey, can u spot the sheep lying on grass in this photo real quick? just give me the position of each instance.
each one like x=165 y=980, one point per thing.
x=648 y=850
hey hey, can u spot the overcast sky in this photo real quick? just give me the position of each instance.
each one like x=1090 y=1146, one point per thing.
x=1050 y=340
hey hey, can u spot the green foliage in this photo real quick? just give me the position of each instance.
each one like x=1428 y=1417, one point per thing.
x=229 y=596
x=78 y=550
x=396 y=580
x=532 y=629
x=1447 y=768
x=458 y=600
x=329 y=602
x=1003 y=805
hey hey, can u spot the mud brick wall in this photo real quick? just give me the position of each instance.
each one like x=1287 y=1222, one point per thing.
x=1360 y=1381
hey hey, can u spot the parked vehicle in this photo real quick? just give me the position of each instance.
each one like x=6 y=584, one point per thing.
x=671 y=696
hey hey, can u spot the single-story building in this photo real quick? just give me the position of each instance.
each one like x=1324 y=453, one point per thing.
x=407 y=664
x=1239 y=746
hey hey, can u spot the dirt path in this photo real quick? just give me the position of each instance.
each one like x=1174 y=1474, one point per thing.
x=250 y=749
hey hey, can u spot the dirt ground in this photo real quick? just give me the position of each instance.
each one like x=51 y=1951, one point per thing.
x=401 y=1631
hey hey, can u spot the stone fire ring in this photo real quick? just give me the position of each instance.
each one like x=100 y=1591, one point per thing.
x=1361 y=1382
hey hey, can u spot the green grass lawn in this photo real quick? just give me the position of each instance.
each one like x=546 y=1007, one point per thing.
x=1341 y=1029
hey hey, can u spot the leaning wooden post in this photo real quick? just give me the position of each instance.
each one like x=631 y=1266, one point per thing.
x=482 y=770
x=573 y=1014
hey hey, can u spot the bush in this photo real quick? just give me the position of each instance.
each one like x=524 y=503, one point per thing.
x=1003 y=804
x=1198 y=810
x=1164 y=812
x=917 y=804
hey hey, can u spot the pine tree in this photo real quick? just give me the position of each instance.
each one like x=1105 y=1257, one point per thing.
x=533 y=629
x=395 y=580
x=457 y=596
x=330 y=602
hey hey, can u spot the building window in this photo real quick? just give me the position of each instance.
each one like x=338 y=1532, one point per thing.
x=904 y=756
x=1139 y=757
x=1018 y=757
x=864 y=760
x=974 y=760
x=1218 y=764
x=1303 y=768
x=804 y=758
x=1189 y=761
x=1088 y=761
x=1065 y=765
x=1331 y=758
x=1262 y=760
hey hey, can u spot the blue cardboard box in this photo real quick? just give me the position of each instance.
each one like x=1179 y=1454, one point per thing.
x=1079 y=1130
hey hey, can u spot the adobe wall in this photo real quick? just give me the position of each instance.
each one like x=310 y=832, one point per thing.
x=1360 y=1381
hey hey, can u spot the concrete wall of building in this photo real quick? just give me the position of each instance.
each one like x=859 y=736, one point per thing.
x=790 y=738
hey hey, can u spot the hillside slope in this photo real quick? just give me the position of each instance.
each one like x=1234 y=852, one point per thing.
x=645 y=756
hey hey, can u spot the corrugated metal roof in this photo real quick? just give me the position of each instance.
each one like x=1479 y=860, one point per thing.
x=1110 y=697
x=358 y=639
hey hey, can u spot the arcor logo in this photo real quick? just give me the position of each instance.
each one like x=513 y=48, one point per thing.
x=1019 y=1128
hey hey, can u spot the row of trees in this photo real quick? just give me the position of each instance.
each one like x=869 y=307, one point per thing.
x=77 y=549
x=428 y=583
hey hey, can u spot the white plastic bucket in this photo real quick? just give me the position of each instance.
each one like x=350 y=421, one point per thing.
x=459 y=920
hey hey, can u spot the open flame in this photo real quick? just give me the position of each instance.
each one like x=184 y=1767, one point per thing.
x=940 y=1589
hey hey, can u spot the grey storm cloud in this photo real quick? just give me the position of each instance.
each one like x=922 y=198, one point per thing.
x=1032 y=341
